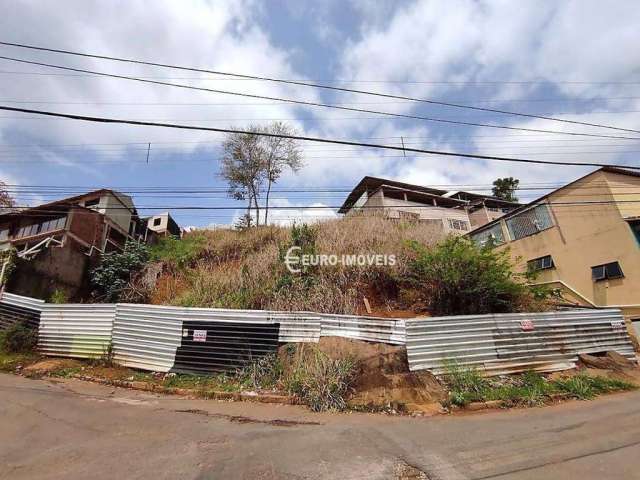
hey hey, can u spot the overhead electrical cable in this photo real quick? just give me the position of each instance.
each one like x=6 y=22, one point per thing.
x=318 y=104
x=314 y=85
x=107 y=120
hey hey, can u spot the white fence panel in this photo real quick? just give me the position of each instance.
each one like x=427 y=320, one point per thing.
x=76 y=330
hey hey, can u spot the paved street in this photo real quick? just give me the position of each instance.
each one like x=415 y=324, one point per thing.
x=67 y=429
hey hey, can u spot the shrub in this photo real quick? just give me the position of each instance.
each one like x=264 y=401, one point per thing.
x=466 y=384
x=457 y=277
x=178 y=252
x=319 y=381
x=264 y=372
x=19 y=338
x=113 y=274
x=59 y=296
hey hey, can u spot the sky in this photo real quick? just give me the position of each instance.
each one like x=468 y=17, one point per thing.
x=576 y=60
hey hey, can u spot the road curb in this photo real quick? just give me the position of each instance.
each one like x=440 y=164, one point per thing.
x=187 y=392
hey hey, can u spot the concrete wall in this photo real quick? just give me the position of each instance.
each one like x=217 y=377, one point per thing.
x=65 y=268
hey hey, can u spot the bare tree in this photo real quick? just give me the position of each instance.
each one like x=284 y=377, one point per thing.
x=7 y=202
x=242 y=167
x=280 y=154
x=253 y=162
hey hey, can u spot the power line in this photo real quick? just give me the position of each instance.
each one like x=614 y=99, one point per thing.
x=316 y=85
x=318 y=104
x=305 y=138
x=341 y=81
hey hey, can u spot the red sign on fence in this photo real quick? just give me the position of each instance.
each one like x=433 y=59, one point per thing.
x=526 y=325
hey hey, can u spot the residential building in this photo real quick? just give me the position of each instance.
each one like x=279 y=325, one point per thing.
x=58 y=242
x=163 y=225
x=583 y=238
x=454 y=212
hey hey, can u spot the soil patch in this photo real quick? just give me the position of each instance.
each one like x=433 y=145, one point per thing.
x=51 y=365
x=382 y=378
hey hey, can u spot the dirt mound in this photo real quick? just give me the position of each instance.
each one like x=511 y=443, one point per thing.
x=611 y=365
x=609 y=361
x=51 y=365
x=382 y=378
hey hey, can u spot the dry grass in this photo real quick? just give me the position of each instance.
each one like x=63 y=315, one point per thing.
x=244 y=269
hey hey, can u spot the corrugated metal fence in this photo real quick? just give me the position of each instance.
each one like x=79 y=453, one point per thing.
x=76 y=330
x=506 y=343
x=371 y=329
x=16 y=308
x=164 y=338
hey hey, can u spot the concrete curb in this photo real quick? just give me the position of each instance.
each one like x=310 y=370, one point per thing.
x=209 y=395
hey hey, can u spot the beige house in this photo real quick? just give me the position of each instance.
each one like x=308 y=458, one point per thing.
x=583 y=238
x=455 y=212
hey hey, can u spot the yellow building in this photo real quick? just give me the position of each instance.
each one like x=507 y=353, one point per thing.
x=583 y=238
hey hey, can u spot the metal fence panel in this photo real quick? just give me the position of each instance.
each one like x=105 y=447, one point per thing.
x=76 y=330
x=146 y=336
x=161 y=338
x=506 y=343
x=15 y=308
x=371 y=329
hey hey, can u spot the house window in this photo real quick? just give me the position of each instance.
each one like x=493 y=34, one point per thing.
x=92 y=203
x=542 y=263
x=635 y=228
x=606 y=271
x=157 y=222
x=493 y=235
x=458 y=224
x=409 y=216
x=529 y=222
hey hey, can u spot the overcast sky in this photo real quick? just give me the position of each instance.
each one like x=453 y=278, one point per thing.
x=577 y=60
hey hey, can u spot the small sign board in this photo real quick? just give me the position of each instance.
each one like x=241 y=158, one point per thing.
x=617 y=324
x=526 y=325
x=199 y=335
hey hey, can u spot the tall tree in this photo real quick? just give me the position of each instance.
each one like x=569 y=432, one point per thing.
x=242 y=167
x=505 y=188
x=280 y=154
x=6 y=200
x=253 y=162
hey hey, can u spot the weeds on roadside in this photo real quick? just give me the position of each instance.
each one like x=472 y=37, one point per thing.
x=319 y=381
x=19 y=338
x=467 y=385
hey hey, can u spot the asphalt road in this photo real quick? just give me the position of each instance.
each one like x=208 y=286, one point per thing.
x=74 y=430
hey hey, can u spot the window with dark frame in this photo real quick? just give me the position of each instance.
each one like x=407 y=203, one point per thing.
x=635 y=228
x=157 y=222
x=541 y=263
x=92 y=203
x=606 y=271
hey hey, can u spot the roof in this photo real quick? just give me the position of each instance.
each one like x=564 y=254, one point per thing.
x=126 y=201
x=619 y=170
x=369 y=184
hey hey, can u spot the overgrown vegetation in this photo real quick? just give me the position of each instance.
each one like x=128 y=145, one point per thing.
x=116 y=270
x=319 y=381
x=245 y=269
x=180 y=253
x=18 y=338
x=458 y=277
x=59 y=296
x=467 y=385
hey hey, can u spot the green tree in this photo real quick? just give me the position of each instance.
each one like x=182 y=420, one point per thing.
x=114 y=273
x=505 y=188
x=457 y=277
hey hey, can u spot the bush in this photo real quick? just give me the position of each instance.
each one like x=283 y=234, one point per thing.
x=265 y=372
x=59 y=296
x=19 y=338
x=179 y=252
x=457 y=277
x=113 y=274
x=319 y=381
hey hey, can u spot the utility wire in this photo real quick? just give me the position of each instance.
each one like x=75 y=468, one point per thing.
x=316 y=104
x=304 y=138
x=316 y=85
